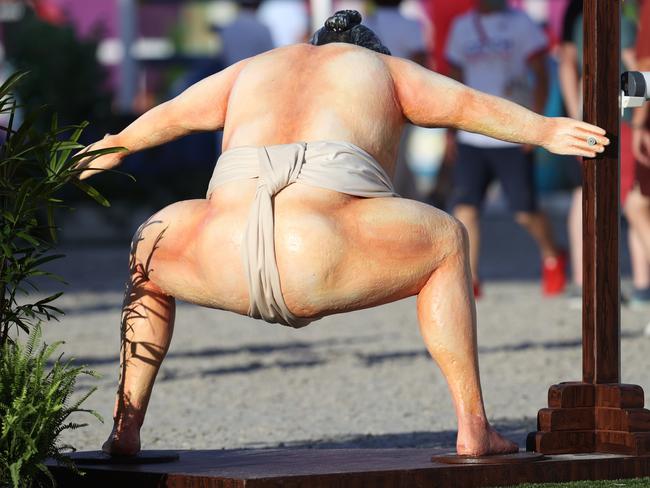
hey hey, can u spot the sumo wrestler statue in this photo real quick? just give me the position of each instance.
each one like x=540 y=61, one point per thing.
x=301 y=220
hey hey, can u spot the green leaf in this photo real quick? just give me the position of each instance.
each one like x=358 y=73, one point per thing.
x=91 y=192
x=31 y=239
x=50 y=222
x=11 y=82
x=49 y=299
x=74 y=137
x=6 y=249
x=95 y=153
x=47 y=259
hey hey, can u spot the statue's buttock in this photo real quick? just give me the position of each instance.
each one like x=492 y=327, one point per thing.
x=338 y=166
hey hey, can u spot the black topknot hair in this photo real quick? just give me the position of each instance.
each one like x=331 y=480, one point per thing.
x=345 y=26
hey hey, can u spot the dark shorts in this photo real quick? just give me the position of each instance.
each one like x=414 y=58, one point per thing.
x=477 y=167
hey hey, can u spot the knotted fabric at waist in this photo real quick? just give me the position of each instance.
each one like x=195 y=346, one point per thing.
x=338 y=166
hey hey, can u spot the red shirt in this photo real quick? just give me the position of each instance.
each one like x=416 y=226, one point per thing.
x=443 y=12
x=643 y=37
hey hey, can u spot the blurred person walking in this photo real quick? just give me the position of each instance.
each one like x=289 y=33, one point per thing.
x=494 y=49
x=402 y=35
x=570 y=73
x=245 y=36
x=405 y=39
x=637 y=206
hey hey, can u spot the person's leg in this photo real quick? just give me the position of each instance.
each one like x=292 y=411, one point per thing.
x=468 y=215
x=515 y=171
x=574 y=224
x=470 y=181
x=539 y=227
x=639 y=261
x=637 y=211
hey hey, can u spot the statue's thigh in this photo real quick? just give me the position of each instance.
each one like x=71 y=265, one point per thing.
x=378 y=250
x=192 y=252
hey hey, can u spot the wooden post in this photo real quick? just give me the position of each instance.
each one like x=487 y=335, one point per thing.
x=598 y=414
x=601 y=362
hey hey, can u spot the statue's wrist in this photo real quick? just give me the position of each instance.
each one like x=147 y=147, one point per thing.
x=547 y=131
x=114 y=141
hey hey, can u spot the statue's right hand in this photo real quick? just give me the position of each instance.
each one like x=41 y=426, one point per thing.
x=574 y=138
x=96 y=164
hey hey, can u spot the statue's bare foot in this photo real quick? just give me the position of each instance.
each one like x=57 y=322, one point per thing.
x=122 y=441
x=480 y=439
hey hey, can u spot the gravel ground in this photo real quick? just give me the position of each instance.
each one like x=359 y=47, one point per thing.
x=359 y=379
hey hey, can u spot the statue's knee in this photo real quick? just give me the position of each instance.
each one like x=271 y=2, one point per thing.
x=148 y=237
x=457 y=237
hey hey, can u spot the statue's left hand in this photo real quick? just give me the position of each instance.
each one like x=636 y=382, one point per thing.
x=574 y=138
x=96 y=164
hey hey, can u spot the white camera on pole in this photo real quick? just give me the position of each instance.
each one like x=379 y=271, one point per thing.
x=635 y=89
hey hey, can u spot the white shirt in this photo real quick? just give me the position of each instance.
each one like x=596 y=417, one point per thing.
x=493 y=51
x=288 y=20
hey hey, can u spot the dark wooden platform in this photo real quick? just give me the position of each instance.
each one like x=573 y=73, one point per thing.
x=341 y=468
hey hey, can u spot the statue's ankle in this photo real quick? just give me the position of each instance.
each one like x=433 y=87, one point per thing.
x=128 y=421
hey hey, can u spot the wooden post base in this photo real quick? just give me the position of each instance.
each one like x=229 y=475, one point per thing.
x=585 y=417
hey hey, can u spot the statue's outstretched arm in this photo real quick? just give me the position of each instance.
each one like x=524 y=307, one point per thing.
x=202 y=107
x=429 y=99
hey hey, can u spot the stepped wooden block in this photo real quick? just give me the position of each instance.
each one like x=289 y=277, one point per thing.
x=626 y=420
x=585 y=417
x=619 y=396
x=572 y=395
x=557 y=419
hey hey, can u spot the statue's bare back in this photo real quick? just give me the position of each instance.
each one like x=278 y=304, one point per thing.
x=309 y=93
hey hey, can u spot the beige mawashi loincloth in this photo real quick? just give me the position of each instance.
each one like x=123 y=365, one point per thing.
x=338 y=166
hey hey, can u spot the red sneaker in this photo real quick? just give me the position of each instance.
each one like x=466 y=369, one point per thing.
x=554 y=274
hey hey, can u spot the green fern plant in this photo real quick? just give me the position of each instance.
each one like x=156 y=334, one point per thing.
x=35 y=406
x=35 y=400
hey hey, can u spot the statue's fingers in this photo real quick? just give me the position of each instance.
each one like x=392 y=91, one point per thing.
x=582 y=150
x=87 y=173
x=591 y=138
x=590 y=142
x=592 y=129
